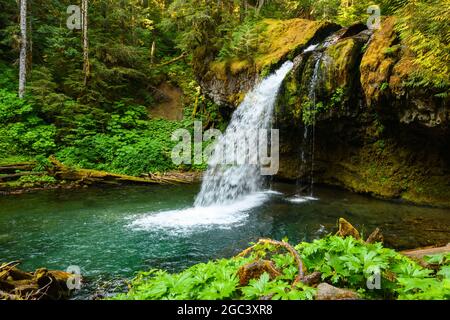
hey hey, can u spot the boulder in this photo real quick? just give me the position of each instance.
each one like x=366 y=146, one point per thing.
x=375 y=236
x=328 y=292
x=347 y=229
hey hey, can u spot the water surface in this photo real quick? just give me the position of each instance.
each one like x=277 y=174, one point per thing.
x=114 y=232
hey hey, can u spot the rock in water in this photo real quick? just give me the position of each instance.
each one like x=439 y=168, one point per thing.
x=375 y=236
x=346 y=229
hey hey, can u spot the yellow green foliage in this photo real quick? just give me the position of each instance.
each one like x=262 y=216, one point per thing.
x=283 y=37
x=377 y=63
x=424 y=27
x=277 y=40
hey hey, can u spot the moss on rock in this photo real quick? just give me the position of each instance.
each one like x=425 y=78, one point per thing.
x=225 y=81
x=377 y=62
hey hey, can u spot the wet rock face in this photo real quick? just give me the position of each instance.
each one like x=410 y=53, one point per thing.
x=335 y=68
x=229 y=90
x=373 y=135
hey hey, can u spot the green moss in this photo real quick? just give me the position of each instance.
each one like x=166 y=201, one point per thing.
x=383 y=169
x=339 y=67
x=284 y=39
x=378 y=60
x=9 y=160
x=288 y=104
x=237 y=98
x=280 y=39
x=219 y=69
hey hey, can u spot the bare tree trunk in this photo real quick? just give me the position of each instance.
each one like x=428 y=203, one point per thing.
x=30 y=38
x=259 y=6
x=243 y=10
x=152 y=52
x=23 y=48
x=86 y=64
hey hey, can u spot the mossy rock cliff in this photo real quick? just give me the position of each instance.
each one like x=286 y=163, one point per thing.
x=227 y=81
x=375 y=133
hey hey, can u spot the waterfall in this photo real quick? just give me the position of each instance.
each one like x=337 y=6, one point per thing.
x=224 y=182
x=318 y=56
x=312 y=98
x=229 y=190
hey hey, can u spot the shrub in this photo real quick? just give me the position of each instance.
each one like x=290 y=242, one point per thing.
x=345 y=262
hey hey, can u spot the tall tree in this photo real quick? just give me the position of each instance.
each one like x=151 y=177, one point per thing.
x=23 y=48
x=86 y=64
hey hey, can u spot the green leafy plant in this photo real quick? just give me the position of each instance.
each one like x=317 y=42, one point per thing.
x=347 y=263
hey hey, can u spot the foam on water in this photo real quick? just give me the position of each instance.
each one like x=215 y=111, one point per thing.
x=195 y=218
x=311 y=48
x=228 y=192
x=301 y=199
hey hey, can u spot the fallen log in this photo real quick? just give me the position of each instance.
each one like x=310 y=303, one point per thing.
x=88 y=176
x=427 y=251
x=8 y=296
x=13 y=168
x=16 y=284
x=15 y=176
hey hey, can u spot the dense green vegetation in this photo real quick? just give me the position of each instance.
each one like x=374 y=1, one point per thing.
x=105 y=124
x=92 y=93
x=345 y=263
x=134 y=46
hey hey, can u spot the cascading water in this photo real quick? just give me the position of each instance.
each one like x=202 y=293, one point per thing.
x=224 y=183
x=319 y=56
x=228 y=191
x=309 y=133
x=312 y=98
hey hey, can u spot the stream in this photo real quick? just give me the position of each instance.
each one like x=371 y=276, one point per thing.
x=111 y=233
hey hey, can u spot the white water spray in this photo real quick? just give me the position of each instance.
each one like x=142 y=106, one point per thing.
x=228 y=191
x=224 y=183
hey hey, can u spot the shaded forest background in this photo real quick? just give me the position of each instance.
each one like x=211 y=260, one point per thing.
x=101 y=118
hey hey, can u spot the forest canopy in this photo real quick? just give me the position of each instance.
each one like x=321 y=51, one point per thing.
x=89 y=91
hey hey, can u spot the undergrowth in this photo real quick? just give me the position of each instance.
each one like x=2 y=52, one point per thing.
x=345 y=263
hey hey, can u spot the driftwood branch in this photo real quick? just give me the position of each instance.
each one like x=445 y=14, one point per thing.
x=288 y=247
x=421 y=252
x=182 y=56
x=16 y=284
